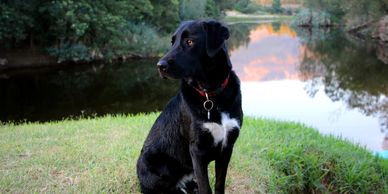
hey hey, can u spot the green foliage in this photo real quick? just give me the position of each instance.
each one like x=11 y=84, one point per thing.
x=306 y=17
x=102 y=27
x=349 y=12
x=74 y=52
x=98 y=29
x=192 y=9
x=277 y=6
x=165 y=14
x=246 y=6
x=200 y=9
x=144 y=39
x=212 y=9
x=333 y=7
x=226 y=4
x=15 y=22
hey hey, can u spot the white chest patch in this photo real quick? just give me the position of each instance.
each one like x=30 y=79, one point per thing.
x=220 y=131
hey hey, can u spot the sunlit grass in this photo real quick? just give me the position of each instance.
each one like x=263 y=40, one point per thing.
x=252 y=18
x=99 y=155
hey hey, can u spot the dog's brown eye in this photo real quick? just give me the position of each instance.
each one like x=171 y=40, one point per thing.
x=189 y=42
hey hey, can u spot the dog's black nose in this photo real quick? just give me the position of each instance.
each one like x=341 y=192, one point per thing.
x=162 y=65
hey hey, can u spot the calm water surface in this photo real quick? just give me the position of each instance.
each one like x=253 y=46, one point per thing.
x=323 y=78
x=71 y=92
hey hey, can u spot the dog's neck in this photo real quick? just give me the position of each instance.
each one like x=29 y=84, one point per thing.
x=209 y=92
x=214 y=79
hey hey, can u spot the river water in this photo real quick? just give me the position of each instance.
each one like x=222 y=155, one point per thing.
x=323 y=78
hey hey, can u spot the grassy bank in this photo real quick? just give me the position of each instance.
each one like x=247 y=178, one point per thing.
x=253 y=18
x=99 y=156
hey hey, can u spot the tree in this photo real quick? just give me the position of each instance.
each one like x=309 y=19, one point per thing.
x=165 y=14
x=97 y=29
x=192 y=9
x=212 y=9
x=277 y=6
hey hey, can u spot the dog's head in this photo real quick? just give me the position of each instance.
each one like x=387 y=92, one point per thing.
x=197 y=47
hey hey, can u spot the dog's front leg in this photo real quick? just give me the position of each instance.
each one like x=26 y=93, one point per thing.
x=200 y=170
x=222 y=163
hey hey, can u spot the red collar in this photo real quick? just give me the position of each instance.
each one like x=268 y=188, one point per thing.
x=203 y=92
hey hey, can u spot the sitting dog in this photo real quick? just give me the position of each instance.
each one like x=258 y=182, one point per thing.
x=202 y=122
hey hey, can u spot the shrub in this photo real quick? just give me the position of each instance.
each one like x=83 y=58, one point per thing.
x=144 y=40
x=277 y=6
x=135 y=38
x=306 y=17
x=68 y=51
x=247 y=6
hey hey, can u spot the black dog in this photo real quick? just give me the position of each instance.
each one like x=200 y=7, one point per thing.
x=202 y=122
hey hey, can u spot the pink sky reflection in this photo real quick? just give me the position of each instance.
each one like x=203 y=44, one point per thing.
x=270 y=55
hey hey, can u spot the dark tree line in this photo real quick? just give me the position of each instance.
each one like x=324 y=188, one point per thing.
x=93 y=29
x=341 y=12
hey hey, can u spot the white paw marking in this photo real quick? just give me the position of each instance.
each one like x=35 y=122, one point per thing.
x=220 y=132
x=184 y=180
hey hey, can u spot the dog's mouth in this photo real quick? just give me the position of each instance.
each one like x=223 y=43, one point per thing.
x=165 y=75
x=162 y=75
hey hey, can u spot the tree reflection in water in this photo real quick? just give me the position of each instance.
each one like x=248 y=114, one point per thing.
x=55 y=93
x=239 y=35
x=352 y=71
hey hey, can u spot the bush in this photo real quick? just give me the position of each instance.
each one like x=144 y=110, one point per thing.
x=135 y=38
x=68 y=51
x=212 y=9
x=306 y=17
x=247 y=6
x=144 y=40
x=14 y=25
x=277 y=6
x=192 y=9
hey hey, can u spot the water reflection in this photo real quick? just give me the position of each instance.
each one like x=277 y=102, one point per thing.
x=321 y=77
x=272 y=54
x=52 y=94
x=351 y=73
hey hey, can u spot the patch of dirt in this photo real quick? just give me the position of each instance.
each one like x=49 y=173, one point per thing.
x=240 y=184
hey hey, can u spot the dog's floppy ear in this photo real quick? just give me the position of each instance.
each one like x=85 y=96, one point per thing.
x=216 y=34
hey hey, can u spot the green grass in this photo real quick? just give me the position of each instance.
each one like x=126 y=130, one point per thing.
x=99 y=156
x=252 y=18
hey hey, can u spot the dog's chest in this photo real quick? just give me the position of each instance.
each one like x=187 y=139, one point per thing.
x=224 y=133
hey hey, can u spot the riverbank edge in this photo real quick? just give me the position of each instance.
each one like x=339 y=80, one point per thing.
x=99 y=155
x=253 y=18
x=36 y=58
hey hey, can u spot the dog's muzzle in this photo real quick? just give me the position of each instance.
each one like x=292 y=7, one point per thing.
x=162 y=67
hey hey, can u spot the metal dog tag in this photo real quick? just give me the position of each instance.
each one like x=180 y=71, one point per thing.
x=208 y=106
